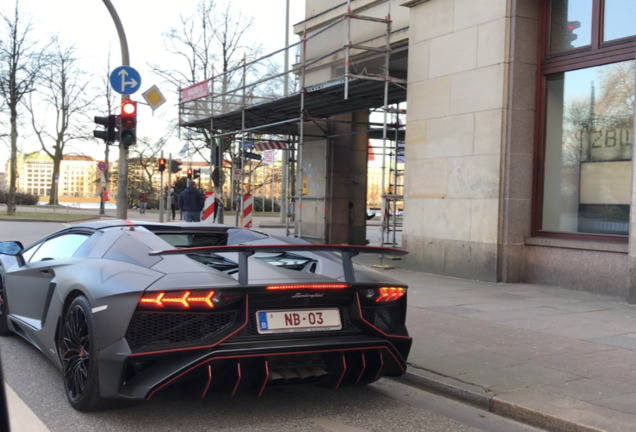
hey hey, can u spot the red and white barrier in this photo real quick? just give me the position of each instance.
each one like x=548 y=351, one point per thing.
x=208 y=207
x=271 y=145
x=248 y=203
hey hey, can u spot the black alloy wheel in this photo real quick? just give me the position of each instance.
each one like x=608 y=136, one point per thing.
x=78 y=354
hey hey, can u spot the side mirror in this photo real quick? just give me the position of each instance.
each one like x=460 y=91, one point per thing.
x=11 y=248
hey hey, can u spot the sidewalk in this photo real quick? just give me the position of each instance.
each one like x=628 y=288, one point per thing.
x=558 y=359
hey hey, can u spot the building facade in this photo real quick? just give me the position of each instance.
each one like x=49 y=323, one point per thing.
x=77 y=177
x=519 y=134
x=525 y=134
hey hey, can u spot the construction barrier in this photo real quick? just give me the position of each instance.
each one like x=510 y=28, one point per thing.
x=208 y=208
x=248 y=203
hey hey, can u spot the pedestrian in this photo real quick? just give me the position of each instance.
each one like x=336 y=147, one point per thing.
x=143 y=200
x=191 y=203
x=174 y=202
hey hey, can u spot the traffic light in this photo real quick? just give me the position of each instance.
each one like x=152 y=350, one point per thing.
x=109 y=134
x=175 y=166
x=569 y=32
x=128 y=131
x=162 y=164
x=189 y=173
x=196 y=173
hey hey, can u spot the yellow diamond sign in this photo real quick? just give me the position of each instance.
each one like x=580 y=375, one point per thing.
x=153 y=97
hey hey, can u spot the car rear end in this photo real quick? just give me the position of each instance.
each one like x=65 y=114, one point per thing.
x=281 y=327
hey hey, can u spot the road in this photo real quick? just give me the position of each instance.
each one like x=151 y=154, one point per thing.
x=387 y=405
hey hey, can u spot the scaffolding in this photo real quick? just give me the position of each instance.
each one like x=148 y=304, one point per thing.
x=250 y=103
x=392 y=200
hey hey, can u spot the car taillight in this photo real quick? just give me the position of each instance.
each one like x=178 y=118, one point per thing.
x=309 y=286
x=385 y=294
x=179 y=300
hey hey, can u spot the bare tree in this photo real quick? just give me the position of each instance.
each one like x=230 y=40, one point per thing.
x=209 y=42
x=62 y=88
x=20 y=61
x=142 y=167
x=110 y=100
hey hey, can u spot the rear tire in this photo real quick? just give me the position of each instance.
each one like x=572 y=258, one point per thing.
x=4 y=311
x=78 y=354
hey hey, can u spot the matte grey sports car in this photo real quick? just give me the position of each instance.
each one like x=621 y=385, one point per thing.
x=127 y=309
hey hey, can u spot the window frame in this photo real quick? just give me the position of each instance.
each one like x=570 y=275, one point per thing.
x=597 y=54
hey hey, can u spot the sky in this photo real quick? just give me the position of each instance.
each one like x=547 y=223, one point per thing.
x=88 y=26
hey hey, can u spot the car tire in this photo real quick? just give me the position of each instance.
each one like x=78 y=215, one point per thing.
x=4 y=310
x=78 y=355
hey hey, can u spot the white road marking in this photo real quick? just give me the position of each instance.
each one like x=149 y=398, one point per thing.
x=21 y=418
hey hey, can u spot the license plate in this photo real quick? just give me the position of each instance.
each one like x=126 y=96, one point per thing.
x=298 y=320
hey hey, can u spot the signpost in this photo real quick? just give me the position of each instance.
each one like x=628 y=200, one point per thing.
x=125 y=80
x=250 y=155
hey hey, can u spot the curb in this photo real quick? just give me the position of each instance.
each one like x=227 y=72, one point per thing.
x=480 y=398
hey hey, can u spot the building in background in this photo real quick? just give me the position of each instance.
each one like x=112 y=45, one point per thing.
x=77 y=176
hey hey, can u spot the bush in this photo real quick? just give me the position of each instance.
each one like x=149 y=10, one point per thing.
x=20 y=198
x=258 y=205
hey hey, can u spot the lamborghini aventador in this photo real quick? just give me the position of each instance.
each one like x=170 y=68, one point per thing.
x=128 y=309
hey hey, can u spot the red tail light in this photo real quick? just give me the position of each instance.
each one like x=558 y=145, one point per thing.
x=388 y=294
x=385 y=294
x=310 y=286
x=181 y=299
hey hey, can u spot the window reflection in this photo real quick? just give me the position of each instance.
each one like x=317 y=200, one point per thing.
x=588 y=149
x=571 y=24
x=618 y=19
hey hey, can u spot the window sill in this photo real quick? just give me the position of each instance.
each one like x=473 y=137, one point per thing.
x=577 y=244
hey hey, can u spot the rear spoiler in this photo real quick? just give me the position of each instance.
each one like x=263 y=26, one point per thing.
x=245 y=251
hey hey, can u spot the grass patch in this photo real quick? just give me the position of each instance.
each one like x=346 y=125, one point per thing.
x=45 y=216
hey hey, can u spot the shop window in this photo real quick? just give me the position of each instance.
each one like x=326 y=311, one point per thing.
x=585 y=119
x=588 y=150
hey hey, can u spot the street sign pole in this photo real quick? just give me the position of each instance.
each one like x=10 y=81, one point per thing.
x=122 y=175
x=161 y=191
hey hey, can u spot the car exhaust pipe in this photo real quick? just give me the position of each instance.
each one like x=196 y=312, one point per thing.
x=297 y=374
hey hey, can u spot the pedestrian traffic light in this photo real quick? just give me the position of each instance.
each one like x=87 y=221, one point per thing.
x=189 y=173
x=162 y=164
x=175 y=166
x=570 y=36
x=109 y=134
x=196 y=173
x=128 y=131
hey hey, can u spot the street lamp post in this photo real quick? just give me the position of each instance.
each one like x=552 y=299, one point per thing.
x=122 y=175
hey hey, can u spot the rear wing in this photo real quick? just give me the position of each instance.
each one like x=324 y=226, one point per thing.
x=245 y=251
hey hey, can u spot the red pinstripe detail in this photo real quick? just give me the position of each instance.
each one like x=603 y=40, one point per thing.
x=238 y=378
x=266 y=364
x=377 y=375
x=207 y=384
x=364 y=367
x=246 y=356
x=372 y=326
x=344 y=370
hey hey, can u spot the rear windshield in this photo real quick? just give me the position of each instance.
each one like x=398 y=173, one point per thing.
x=200 y=239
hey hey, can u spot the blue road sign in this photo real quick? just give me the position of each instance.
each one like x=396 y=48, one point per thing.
x=125 y=80
x=250 y=155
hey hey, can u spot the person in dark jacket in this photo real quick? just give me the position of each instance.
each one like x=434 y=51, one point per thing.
x=174 y=202
x=191 y=203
